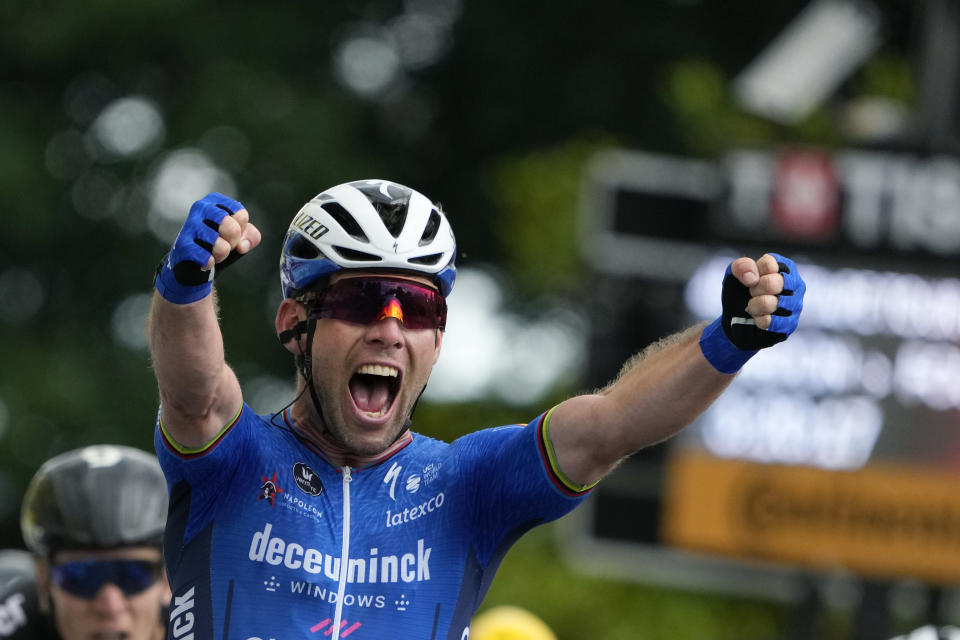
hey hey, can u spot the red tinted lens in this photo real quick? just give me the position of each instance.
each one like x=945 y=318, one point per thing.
x=365 y=300
x=423 y=308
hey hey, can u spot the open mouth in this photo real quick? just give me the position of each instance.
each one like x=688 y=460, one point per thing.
x=374 y=388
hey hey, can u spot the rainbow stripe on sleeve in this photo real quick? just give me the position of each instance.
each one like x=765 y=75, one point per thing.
x=549 y=457
x=178 y=449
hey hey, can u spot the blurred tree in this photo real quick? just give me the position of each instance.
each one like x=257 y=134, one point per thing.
x=536 y=204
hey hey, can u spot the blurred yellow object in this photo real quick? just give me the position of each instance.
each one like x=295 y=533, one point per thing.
x=509 y=623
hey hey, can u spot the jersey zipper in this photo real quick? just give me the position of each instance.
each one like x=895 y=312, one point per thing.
x=344 y=555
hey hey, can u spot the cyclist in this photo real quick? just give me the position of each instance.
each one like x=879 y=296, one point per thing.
x=19 y=617
x=332 y=515
x=93 y=519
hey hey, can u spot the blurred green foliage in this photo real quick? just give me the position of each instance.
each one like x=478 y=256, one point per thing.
x=622 y=611
x=709 y=120
x=497 y=128
x=537 y=201
x=535 y=576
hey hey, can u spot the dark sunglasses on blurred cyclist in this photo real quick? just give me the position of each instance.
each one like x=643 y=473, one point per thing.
x=367 y=300
x=85 y=578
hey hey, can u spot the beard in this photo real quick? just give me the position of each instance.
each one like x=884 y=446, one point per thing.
x=337 y=432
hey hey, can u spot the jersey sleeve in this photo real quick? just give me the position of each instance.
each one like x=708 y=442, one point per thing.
x=200 y=473
x=513 y=482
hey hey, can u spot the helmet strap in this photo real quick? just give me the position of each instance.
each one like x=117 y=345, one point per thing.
x=304 y=362
x=408 y=423
x=290 y=334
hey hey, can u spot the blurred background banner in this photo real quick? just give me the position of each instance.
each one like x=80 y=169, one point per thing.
x=600 y=163
x=836 y=452
x=839 y=449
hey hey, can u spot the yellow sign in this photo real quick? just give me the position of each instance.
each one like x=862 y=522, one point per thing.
x=883 y=521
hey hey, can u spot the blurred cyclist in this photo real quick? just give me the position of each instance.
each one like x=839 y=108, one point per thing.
x=19 y=616
x=93 y=518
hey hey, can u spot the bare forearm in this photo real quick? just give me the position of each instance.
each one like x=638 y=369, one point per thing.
x=186 y=347
x=661 y=391
x=658 y=393
x=666 y=387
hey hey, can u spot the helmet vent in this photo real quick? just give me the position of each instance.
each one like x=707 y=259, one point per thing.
x=429 y=260
x=357 y=256
x=300 y=247
x=430 y=230
x=345 y=220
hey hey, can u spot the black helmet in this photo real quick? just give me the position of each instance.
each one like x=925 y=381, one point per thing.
x=97 y=497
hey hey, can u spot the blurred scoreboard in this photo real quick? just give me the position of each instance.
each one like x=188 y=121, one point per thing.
x=836 y=451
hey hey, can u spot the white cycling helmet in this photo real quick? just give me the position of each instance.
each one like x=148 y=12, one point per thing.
x=367 y=224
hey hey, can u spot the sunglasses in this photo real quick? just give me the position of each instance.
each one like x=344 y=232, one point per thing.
x=85 y=578
x=367 y=300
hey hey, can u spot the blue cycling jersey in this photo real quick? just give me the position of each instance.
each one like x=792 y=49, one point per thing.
x=267 y=540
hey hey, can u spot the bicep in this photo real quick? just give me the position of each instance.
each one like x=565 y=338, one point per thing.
x=193 y=430
x=656 y=395
x=585 y=442
x=199 y=392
